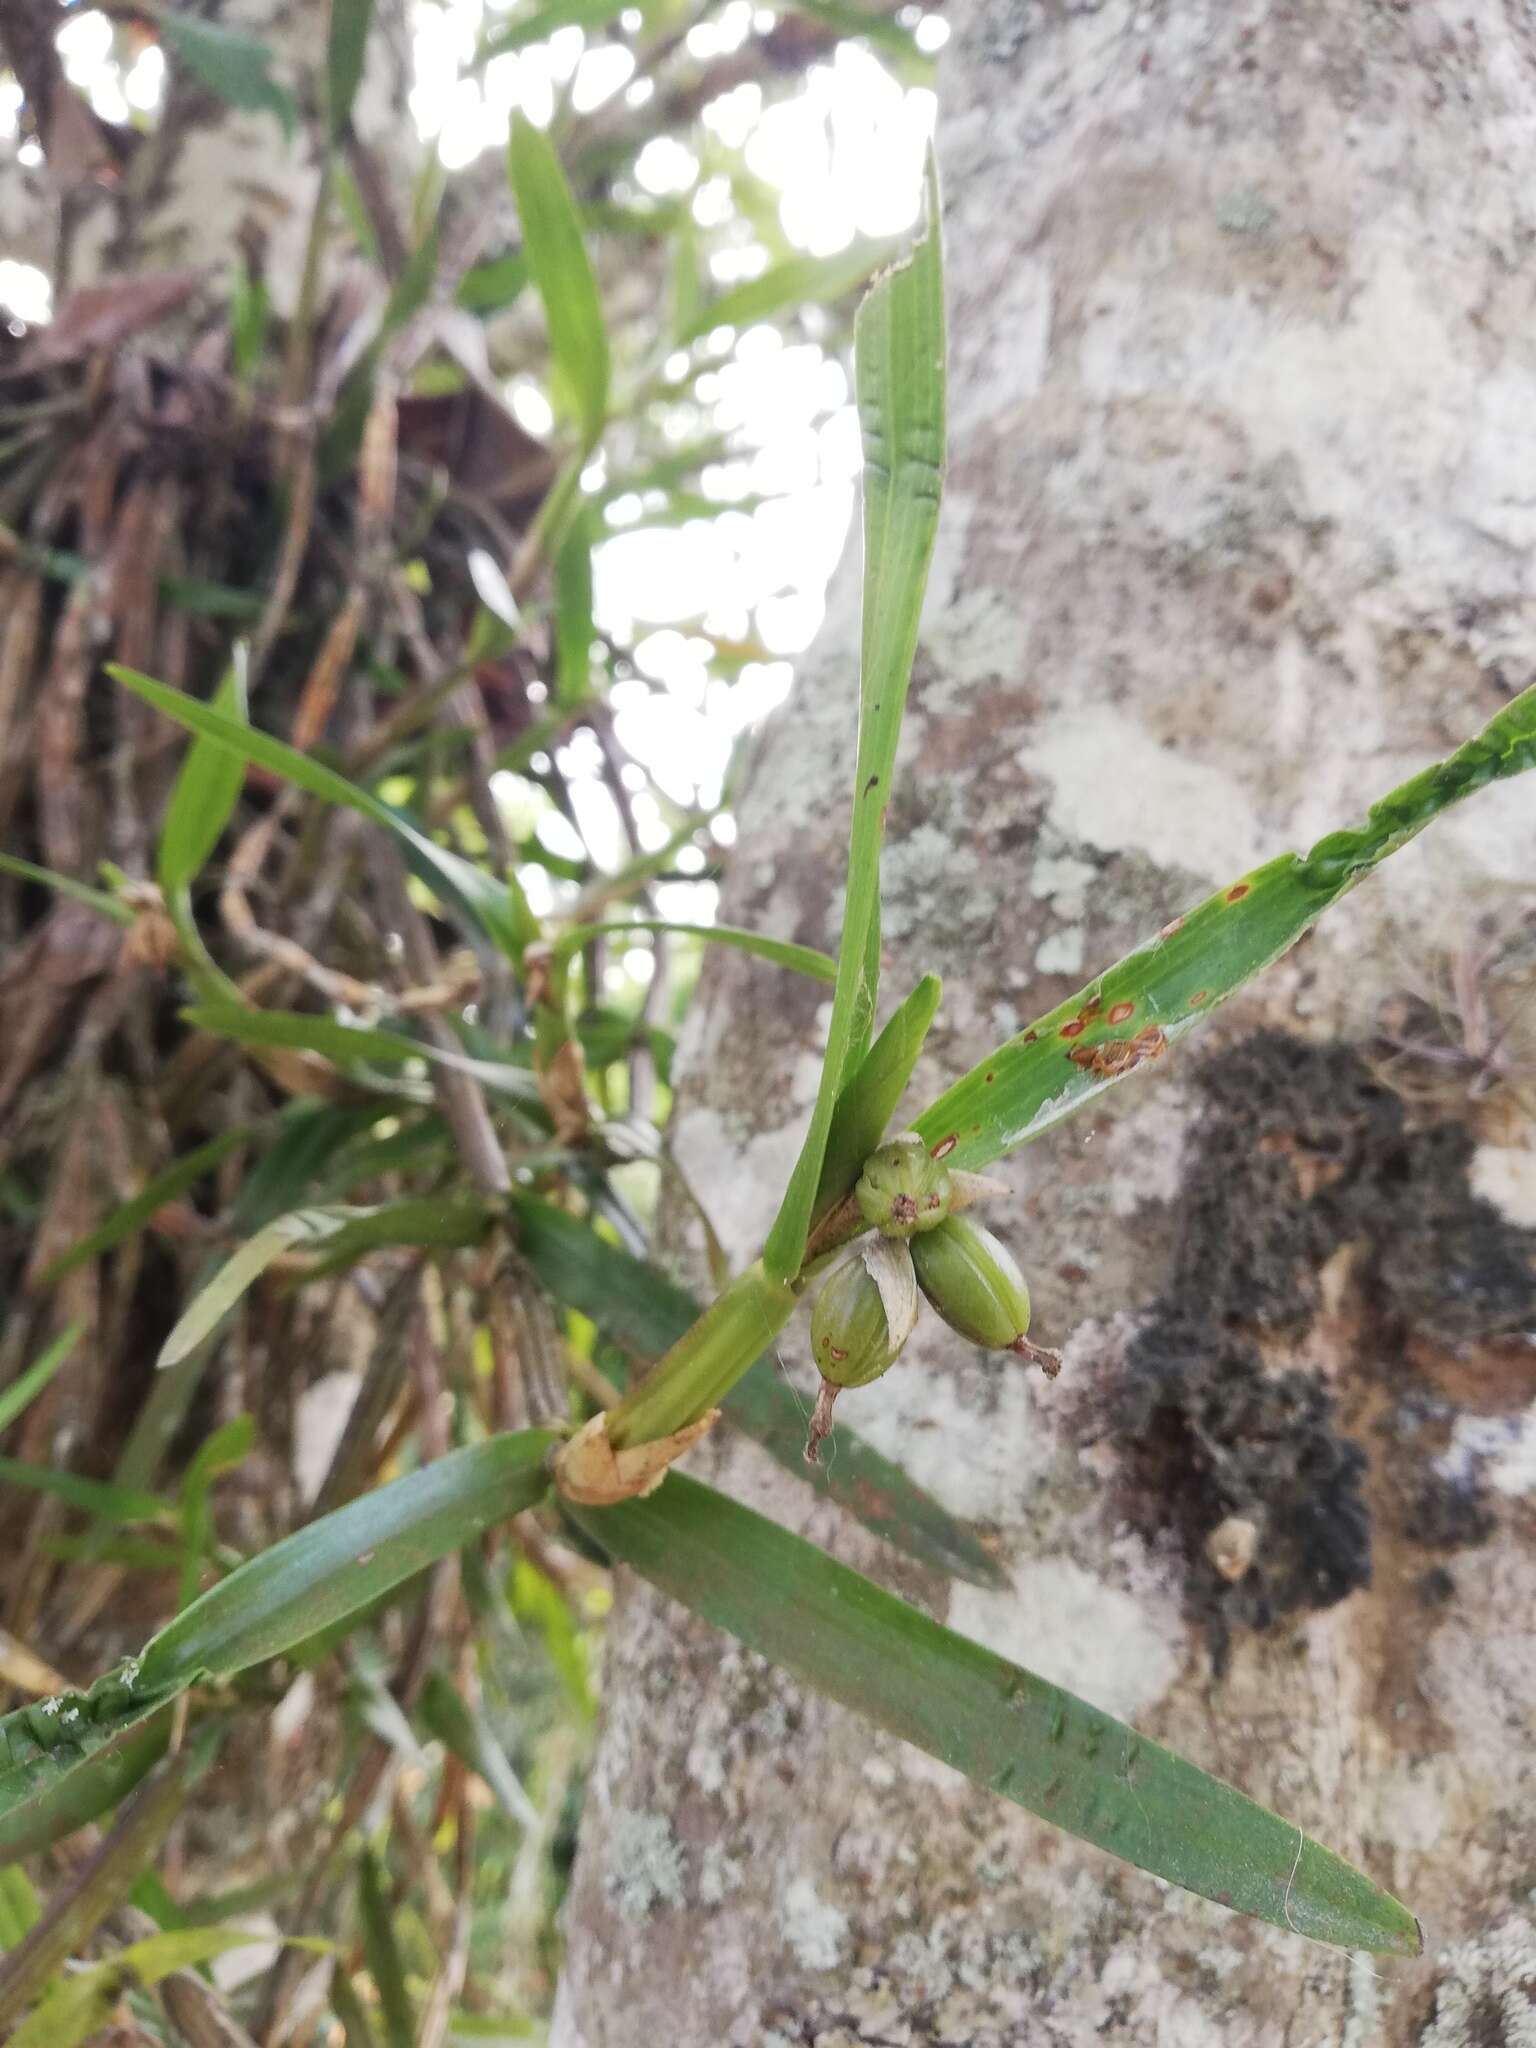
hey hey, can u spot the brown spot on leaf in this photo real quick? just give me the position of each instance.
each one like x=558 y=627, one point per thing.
x=1238 y=891
x=1121 y=1011
x=1200 y=996
x=1118 y=1056
x=1075 y=1028
x=946 y=1145
x=1174 y=925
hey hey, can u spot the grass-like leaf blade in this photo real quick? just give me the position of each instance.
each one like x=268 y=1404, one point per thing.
x=870 y=1097
x=573 y=612
x=780 y=952
x=81 y=2003
x=26 y=1387
x=240 y=1272
x=539 y=26
x=202 y=797
x=478 y=897
x=131 y=1216
x=230 y=63
x=899 y=374
x=797 y=281
x=66 y=885
x=645 y=1313
x=346 y=46
x=1039 y=1746
x=90 y=1764
x=90 y=1496
x=469 y=1736
x=304 y=1030
x=1166 y=987
x=562 y=271
x=382 y=1954
x=344 y=1561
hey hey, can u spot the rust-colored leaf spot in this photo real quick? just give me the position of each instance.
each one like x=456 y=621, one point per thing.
x=1030 y=1037
x=946 y=1145
x=1075 y=1028
x=1121 y=1011
x=1091 y=1008
x=1117 y=1056
x=1238 y=891
x=1200 y=996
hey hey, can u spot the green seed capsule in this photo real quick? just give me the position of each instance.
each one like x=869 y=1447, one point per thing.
x=974 y=1282
x=903 y=1188
x=863 y=1316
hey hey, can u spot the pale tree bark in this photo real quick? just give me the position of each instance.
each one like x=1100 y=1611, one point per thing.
x=206 y=181
x=1237 y=533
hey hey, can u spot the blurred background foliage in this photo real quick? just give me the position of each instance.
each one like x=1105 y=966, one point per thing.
x=502 y=479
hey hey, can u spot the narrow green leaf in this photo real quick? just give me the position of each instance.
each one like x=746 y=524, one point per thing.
x=89 y=1763
x=413 y=287
x=203 y=796
x=346 y=48
x=74 y=1915
x=573 y=613
x=645 y=1313
x=562 y=270
x=306 y=1031
x=382 y=1955
x=1049 y=1752
x=539 y=26
x=687 y=258
x=66 y=885
x=346 y=1560
x=229 y=1446
x=477 y=896
x=1136 y=1008
x=20 y=1907
x=90 y=1496
x=250 y=315
x=307 y=1136
x=492 y=286
x=797 y=281
x=208 y=1308
x=233 y=65
x=24 y=1390
x=781 y=952
x=849 y=19
x=899 y=373
x=129 y=1217
x=469 y=1736
x=422 y=1221
x=80 y=2004
x=870 y=1097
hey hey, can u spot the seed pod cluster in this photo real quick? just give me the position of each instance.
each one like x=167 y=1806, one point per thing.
x=868 y=1307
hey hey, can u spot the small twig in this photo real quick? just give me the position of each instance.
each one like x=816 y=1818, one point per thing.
x=458 y=1094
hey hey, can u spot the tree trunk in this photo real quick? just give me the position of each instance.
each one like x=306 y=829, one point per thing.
x=1236 y=536
x=206 y=182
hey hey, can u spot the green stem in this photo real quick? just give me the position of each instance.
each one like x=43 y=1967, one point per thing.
x=703 y=1365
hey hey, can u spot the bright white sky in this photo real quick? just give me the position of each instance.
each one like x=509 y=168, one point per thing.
x=845 y=155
